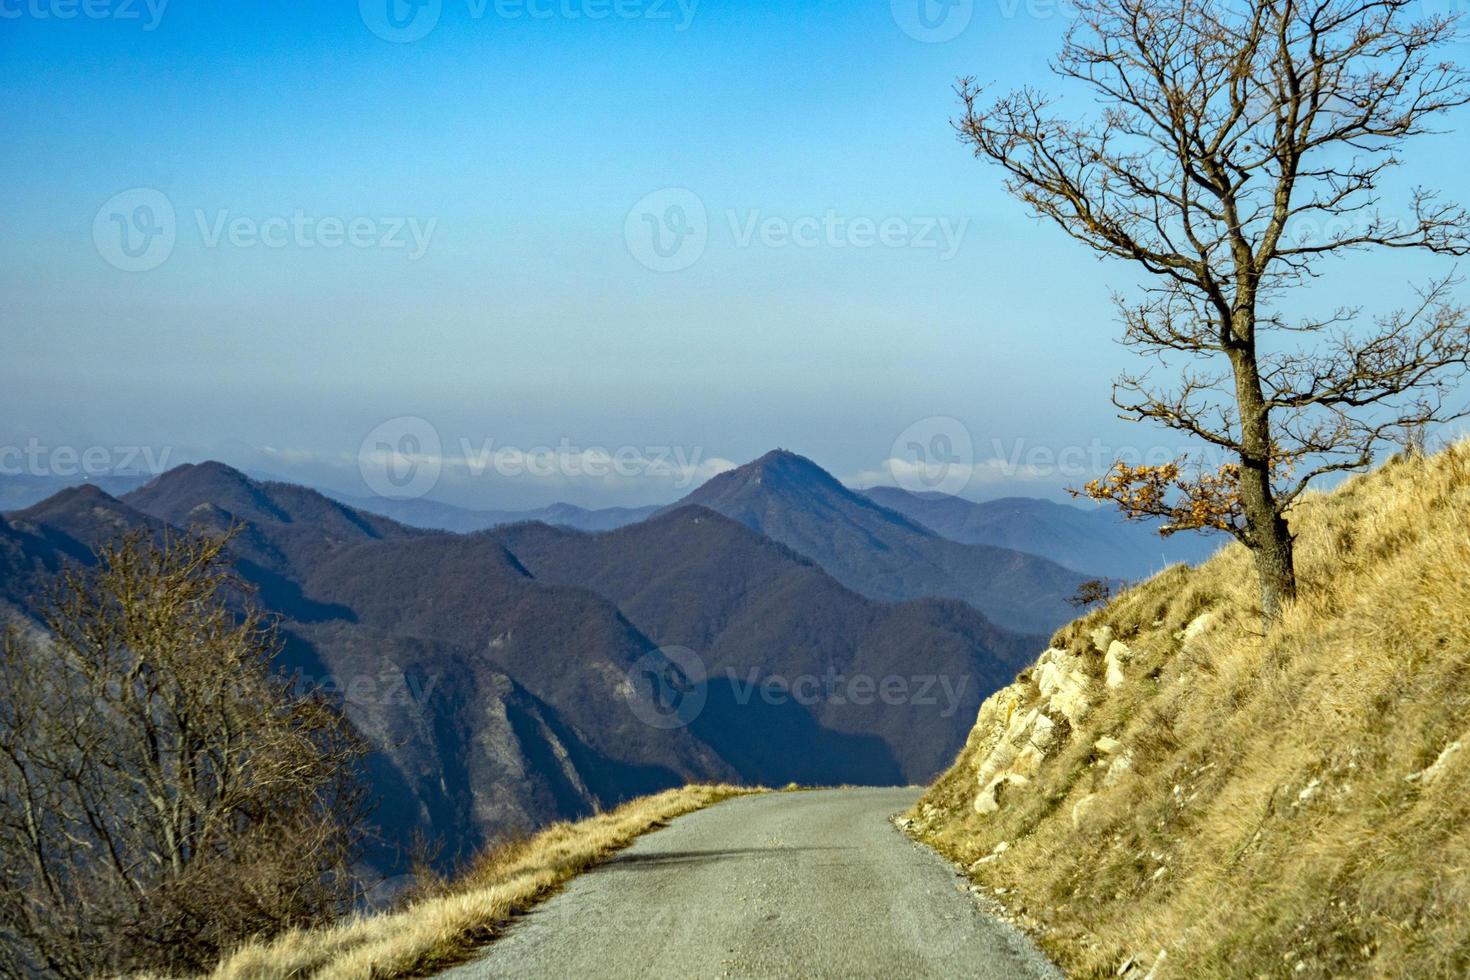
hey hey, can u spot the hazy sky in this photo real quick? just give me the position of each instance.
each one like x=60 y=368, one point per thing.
x=268 y=232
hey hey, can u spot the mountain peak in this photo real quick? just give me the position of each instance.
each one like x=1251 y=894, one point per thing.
x=209 y=480
x=781 y=468
x=210 y=470
x=81 y=495
x=782 y=486
x=782 y=458
x=215 y=467
x=173 y=495
x=784 y=480
x=85 y=491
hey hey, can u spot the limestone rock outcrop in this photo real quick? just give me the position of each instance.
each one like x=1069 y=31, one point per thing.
x=1021 y=726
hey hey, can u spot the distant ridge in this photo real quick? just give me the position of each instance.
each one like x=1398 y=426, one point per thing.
x=437 y=516
x=1098 y=541
x=19 y=491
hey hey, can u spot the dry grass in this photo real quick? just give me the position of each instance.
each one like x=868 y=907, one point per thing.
x=1268 y=826
x=445 y=927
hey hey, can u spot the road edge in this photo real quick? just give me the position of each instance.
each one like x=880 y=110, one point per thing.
x=1020 y=934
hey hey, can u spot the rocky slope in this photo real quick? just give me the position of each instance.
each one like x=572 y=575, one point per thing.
x=1168 y=792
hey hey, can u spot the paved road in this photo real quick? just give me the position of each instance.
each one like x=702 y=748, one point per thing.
x=785 y=885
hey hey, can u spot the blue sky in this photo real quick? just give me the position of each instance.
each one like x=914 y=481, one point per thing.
x=447 y=228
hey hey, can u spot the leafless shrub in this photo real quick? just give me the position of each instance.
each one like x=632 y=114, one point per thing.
x=1090 y=593
x=164 y=795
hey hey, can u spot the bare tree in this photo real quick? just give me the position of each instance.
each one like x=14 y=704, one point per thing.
x=1237 y=146
x=1091 y=592
x=163 y=792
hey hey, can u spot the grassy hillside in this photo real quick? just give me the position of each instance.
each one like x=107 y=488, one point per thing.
x=1170 y=790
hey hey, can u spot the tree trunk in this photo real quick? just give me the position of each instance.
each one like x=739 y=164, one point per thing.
x=1275 y=567
x=1270 y=538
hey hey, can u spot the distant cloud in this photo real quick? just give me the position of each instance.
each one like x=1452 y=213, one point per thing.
x=917 y=476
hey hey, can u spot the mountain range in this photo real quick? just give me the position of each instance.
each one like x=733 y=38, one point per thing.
x=497 y=674
x=21 y=490
x=1094 y=541
x=464 y=751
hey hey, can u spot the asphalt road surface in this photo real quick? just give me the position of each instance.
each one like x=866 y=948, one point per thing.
x=815 y=884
